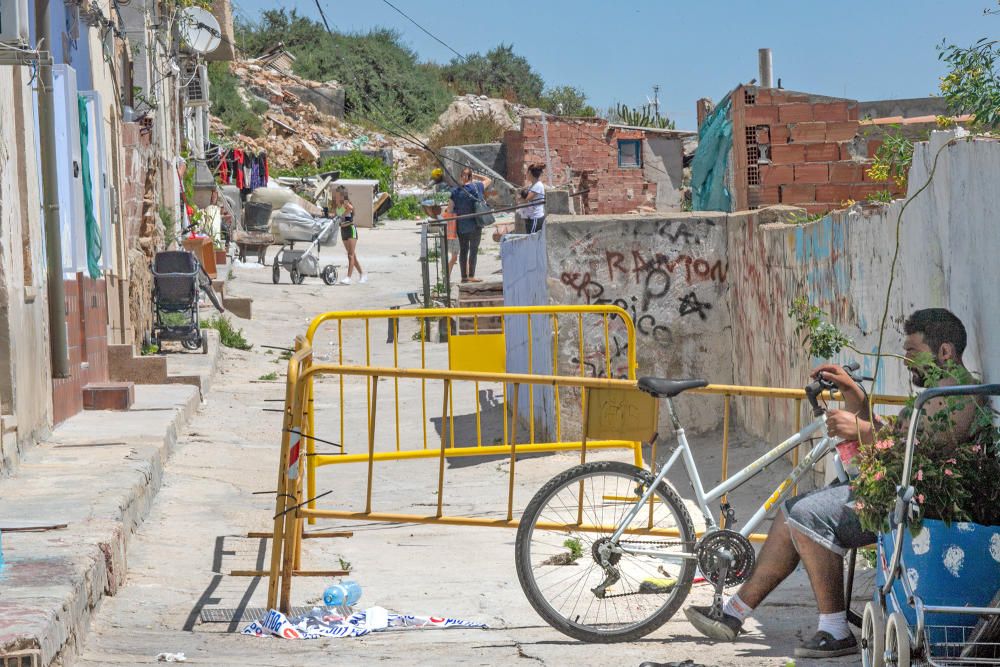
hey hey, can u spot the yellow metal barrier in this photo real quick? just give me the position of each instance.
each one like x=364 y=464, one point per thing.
x=614 y=415
x=594 y=329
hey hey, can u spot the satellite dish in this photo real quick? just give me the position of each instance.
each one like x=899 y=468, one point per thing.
x=199 y=30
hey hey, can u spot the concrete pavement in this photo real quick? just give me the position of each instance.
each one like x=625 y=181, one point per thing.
x=98 y=473
x=212 y=497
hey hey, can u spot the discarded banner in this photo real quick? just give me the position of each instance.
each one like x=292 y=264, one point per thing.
x=322 y=623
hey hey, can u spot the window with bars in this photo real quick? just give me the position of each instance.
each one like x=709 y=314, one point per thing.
x=753 y=156
x=749 y=97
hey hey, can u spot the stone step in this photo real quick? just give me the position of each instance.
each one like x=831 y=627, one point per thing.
x=108 y=396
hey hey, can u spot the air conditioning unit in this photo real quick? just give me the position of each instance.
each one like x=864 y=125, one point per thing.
x=197 y=87
x=14 y=22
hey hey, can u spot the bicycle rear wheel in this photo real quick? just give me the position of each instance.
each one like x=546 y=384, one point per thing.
x=566 y=526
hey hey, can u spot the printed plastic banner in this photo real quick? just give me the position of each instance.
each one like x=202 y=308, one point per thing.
x=322 y=623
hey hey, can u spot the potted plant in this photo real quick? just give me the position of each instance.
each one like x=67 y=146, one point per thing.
x=952 y=552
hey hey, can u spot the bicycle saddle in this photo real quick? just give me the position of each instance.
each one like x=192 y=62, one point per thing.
x=664 y=388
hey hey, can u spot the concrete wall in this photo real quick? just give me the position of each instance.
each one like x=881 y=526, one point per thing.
x=25 y=398
x=710 y=293
x=907 y=108
x=456 y=158
x=669 y=273
x=663 y=163
x=525 y=265
x=493 y=156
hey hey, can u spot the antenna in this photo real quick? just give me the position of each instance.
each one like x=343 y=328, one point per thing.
x=656 y=99
x=199 y=30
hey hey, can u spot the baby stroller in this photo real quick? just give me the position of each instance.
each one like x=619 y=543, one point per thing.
x=177 y=277
x=293 y=224
x=914 y=617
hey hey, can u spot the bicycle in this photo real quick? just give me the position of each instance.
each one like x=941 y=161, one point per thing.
x=635 y=548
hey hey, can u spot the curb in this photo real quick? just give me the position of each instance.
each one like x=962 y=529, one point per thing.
x=53 y=581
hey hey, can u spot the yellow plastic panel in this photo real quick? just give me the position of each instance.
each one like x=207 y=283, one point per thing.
x=482 y=353
x=621 y=414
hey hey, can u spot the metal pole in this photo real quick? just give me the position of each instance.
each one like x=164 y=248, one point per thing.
x=50 y=200
x=425 y=271
x=766 y=68
x=444 y=267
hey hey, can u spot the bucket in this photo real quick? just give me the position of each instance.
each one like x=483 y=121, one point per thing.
x=954 y=566
x=256 y=216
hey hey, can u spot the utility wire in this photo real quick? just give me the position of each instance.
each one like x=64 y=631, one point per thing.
x=425 y=30
x=323 y=16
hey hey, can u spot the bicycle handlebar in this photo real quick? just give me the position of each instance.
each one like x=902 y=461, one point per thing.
x=817 y=387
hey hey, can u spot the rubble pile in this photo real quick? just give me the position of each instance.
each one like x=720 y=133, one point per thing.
x=294 y=130
x=478 y=106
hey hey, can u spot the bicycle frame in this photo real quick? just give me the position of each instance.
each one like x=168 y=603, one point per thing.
x=703 y=498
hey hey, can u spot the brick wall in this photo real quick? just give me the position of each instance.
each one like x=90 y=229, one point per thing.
x=87 y=329
x=799 y=149
x=581 y=149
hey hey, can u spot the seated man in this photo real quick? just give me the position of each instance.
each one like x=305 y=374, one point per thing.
x=819 y=527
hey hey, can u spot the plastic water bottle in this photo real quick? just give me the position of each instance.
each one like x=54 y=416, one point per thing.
x=345 y=594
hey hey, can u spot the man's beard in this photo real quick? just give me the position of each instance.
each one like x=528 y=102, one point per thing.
x=918 y=377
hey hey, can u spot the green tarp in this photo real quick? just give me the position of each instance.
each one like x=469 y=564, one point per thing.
x=708 y=168
x=93 y=232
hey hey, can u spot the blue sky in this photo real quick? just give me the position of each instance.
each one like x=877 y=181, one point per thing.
x=615 y=52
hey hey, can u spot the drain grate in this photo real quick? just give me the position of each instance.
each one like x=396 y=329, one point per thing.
x=228 y=615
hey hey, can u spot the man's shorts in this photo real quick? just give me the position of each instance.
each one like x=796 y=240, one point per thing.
x=827 y=517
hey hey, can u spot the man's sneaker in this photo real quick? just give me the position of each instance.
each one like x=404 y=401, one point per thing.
x=823 y=645
x=724 y=630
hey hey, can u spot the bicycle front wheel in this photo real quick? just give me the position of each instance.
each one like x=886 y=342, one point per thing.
x=564 y=537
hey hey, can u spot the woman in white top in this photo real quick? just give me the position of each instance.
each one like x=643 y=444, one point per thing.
x=534 y=216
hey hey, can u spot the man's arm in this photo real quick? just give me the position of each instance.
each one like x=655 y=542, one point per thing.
x=854 y=397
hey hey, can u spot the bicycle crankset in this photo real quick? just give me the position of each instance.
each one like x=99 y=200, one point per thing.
x=741 y=556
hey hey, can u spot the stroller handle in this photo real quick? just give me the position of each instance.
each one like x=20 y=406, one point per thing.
x=904 y=492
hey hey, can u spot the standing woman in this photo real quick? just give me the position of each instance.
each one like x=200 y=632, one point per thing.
x=463 y=203
x=348 y=233
x=534 y=216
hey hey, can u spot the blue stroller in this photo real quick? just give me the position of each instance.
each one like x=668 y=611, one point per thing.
x=913 y=618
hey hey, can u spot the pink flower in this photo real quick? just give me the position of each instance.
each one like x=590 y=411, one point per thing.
x=859 y=505
x=920 y=475
x=975 y=449
x=920 y=498
x=948 y=472
x=951 y=461
x=883 y=444
x=879 y=476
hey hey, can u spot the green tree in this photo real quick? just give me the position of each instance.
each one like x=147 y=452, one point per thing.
x=566 y=101
x=499 y=73
x=973 y=84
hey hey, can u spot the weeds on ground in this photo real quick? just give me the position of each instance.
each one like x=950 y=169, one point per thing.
x=229 y=335
x=273 y=375
x=575 y=548
x=148 y=350
x=344 y=563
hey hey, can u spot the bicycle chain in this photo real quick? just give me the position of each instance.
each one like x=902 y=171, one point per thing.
x=647 y=544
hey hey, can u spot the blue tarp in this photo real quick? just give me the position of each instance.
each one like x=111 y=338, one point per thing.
x=708 y=168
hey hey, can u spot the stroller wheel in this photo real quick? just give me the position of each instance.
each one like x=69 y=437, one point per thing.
x=873 y=636
x=329 y=274
x=276 y=272
x=192 y=343
x=204 y=344
x=897 y=641
x=297 y=278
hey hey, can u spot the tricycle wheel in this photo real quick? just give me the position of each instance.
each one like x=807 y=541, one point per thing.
x=873 y=636
x=276 y=272
x=897 y=641
x=329 y=274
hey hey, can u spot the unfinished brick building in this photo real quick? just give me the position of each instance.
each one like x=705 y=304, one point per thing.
x=800 y=149
x=624 y=168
